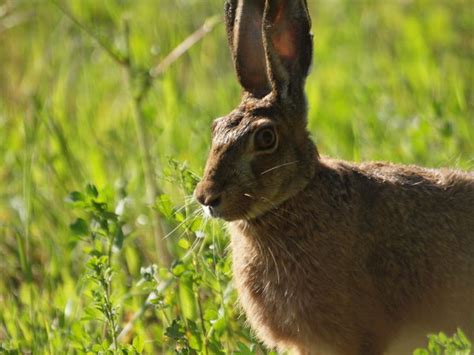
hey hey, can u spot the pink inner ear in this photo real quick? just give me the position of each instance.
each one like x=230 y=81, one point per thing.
x=283 y=39
x=285 y=45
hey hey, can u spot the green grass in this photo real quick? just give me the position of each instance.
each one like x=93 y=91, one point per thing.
x=391 y=80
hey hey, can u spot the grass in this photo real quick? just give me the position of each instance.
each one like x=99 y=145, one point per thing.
x=391 y=80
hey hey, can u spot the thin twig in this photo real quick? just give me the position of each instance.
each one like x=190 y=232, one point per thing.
x=184 y=46
x=9 y=21
x=120 y=59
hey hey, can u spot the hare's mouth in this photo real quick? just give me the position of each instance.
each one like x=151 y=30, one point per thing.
x=241 y=203
x=228 y=214
x=213 y=212
x=231 y=208
x=210 y=211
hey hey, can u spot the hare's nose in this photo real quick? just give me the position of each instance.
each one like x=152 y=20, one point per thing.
x=212 y=201
x=206 y=197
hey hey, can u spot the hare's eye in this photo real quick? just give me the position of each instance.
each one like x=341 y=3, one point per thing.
x=265 y=138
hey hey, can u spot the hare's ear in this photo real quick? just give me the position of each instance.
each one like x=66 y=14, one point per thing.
x=289 y=44
x=244 y=32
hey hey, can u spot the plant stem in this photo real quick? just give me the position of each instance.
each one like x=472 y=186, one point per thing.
x=110 y=315
x=203 y=325
x=100 y=41
x=108 y=292
x=152 y=189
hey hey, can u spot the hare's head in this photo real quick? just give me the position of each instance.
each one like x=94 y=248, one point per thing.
x=261 y=152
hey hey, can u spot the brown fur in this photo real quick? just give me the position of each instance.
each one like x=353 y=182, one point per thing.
x=330 y=257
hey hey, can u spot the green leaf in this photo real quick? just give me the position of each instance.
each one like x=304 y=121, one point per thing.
x=178 y=269
x=194 y=342
x=79 y=227
x=101 y=207
x=164 y=206
x=91 y=190
x=211 y=314
x=76 y=196
x=220 y=324
x=196 y=225
x=186 y=296
x=244 y=350
x=119 y=237
x=194 y=335
x=138 y=343
x=216 y=349
x=463 y=338
x=183 y=243
x=443 y=338
x=175 y=330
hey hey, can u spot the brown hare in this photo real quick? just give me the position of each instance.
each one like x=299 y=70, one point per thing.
x=329 y=257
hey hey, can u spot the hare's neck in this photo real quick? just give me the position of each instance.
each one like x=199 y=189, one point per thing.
x=296 y=224
x=281 y=233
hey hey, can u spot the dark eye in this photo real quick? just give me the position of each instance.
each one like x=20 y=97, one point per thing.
x=265 y=138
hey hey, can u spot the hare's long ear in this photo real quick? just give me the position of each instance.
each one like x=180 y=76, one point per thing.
x=244 y=20
x=288 y=44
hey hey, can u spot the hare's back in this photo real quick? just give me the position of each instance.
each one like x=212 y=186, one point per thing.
x=422 y=224
x=421 y=195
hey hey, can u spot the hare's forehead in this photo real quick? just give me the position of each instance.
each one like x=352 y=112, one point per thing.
x=241 y=122
x=226 y=130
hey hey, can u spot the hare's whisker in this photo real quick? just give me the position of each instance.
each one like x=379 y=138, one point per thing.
x=279 y=166
x=181 y=208
x=276 y=264
x=192 y=216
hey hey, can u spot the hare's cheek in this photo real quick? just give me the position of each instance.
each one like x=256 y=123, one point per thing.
x=244 y=177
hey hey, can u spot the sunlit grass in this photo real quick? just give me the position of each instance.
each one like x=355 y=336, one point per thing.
x=391 y=80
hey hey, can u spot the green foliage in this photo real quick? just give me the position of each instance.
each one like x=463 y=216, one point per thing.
x=82 y=274
x=104 y=233
x=441 y=344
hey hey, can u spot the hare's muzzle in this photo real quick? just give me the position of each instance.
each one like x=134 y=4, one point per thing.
x=208 y=197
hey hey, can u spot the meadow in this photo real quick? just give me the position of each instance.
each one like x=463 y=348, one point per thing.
x=103 y=136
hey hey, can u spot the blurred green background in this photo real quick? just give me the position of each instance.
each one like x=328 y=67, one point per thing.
x=391 y=80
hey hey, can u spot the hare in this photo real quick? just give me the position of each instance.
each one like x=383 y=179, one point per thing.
x=329 y=257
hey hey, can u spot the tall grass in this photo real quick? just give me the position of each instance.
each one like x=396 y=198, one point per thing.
x=391 y=80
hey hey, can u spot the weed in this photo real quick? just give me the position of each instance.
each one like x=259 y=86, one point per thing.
x=87 y=93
